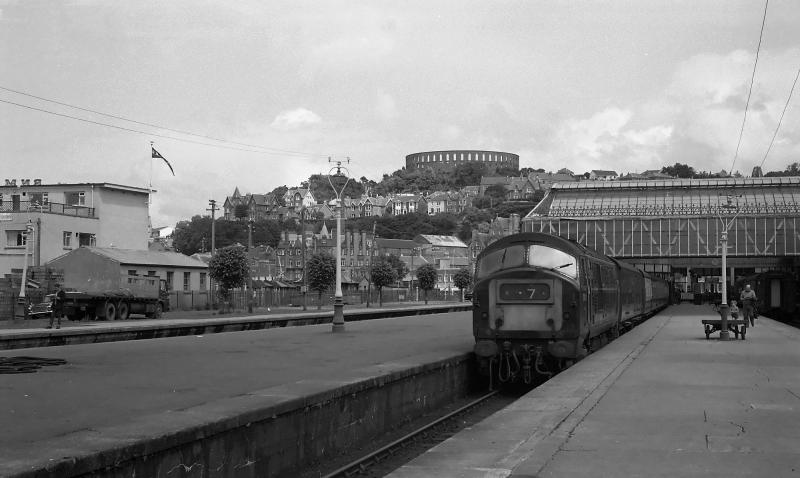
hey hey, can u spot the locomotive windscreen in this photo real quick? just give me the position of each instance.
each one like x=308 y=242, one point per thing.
x=553 y=259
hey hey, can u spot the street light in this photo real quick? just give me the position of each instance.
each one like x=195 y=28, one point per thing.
x=338 y=303
x=724 y=310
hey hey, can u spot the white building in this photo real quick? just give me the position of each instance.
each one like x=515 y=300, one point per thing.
x=63 y=217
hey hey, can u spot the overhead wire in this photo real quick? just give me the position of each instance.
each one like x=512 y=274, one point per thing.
x=750 y=90
x=774 y=135
x=249 y=147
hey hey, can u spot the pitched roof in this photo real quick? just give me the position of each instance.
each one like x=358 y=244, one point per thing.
x=139 y=257
x=395 y=243
x=443 y=241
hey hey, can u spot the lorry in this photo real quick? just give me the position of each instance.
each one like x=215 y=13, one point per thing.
x=96 y=299
x=95 y=287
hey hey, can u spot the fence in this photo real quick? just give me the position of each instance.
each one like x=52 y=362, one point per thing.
x=199 y=300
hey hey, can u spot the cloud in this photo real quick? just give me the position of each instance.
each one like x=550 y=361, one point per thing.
x=386 y=107
x=294 y=119
x=706 y=101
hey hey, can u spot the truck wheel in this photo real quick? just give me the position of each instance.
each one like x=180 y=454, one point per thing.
x=110 y=311
x=123 y=311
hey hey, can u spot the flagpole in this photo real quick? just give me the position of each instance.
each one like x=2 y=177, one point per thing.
x=150 y=197
x=150 y=189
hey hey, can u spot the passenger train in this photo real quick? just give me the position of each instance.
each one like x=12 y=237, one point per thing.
x=542 y=302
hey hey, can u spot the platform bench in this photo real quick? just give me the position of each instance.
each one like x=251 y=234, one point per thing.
x=737 y=326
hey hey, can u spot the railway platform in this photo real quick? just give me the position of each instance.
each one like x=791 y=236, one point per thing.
x=661 y=401
x=247 y=403
x=20 y=334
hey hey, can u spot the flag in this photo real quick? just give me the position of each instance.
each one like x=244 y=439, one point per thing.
x=157 y=155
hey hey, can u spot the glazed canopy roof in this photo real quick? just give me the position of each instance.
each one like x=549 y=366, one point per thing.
x=672 y=197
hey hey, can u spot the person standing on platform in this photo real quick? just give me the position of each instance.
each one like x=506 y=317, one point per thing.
x=748 y=300
x=58 y=307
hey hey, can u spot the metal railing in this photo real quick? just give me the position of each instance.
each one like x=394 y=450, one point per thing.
x=28 y=207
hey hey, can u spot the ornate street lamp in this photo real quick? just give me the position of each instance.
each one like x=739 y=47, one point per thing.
x=338 y=303
x=724 y=310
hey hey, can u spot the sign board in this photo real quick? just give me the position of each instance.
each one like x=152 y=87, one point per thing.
x=6 y=216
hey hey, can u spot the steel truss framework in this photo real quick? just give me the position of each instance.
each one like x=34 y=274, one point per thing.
x=748 y=236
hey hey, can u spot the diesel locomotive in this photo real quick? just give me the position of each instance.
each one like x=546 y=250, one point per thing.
x=542 y=302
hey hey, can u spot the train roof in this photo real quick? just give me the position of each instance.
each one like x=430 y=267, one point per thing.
x=551 y=240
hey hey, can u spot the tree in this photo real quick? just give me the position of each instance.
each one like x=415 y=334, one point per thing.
x=400 y=268
x=426 y=275
x=321 y=270
x=192 y=236
x=230 y=269
x=497 y=192
x=468 y=174
x=462 y=279
x=323 y=192
x=382 y=274
x=279 y=192
x=679 y=170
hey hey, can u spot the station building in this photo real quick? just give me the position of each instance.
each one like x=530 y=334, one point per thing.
x=674 y=228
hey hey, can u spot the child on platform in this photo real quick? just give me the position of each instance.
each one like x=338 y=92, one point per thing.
x=734 y=310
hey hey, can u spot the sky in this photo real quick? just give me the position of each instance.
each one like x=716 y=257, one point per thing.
x=256 y=95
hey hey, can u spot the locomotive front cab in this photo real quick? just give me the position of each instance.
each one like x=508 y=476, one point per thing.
x=526 y=300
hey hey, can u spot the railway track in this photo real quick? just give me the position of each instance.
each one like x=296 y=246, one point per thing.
x=389 y=456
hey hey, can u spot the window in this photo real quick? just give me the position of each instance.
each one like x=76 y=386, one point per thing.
x=170 y=274
x=202 y=281
x=131 y=272
x=67 y=239
x=77 y=198
x=38 y=199
x=186 y=281
x=86 y=239
x=151 y=273
x=16 y=238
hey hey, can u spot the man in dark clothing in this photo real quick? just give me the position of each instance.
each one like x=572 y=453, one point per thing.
x=748 y=300
x=58 y=307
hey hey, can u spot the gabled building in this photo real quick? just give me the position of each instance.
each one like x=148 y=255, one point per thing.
x=603 y=175
x=436 y=246
x=298 y=198
x=516 y=188
x=406 y=204
x=373 y=206
x=254 y=207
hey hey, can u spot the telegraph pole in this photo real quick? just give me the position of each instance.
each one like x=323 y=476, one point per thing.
x=338 y=303
x=369 y=268
x=213 y=210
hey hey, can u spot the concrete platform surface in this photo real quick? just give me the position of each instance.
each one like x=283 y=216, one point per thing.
x=661 y=401
x=19 y=334
x=129 y=387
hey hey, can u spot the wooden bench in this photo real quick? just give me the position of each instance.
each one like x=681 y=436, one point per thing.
x=737 y=326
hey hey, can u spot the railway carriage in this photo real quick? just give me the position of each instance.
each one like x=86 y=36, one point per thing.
x=541 y=302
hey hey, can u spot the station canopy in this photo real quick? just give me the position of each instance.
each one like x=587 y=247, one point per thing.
x=672 y=197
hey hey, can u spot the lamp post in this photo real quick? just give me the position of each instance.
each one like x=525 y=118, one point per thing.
x=213 y=209
x=724 y=310
x=250 y=292
x=304 y=287
x=338 y=303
